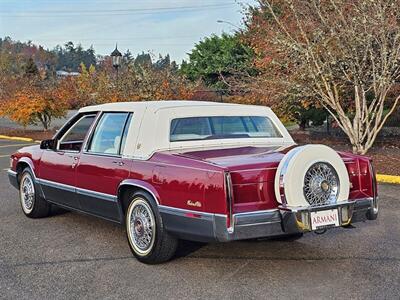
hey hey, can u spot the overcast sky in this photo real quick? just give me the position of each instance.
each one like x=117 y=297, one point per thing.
x=159 y=26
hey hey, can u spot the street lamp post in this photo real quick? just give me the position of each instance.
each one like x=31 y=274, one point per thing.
x=229 y=23
x=116 y=57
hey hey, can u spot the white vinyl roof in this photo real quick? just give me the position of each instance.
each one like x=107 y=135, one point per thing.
x=155 y=105
x=149 y=130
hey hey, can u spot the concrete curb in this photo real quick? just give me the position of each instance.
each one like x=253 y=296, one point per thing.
x=382 y=178
x=18 y=138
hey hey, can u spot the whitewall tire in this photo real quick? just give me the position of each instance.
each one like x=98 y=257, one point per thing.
x=141 y=226
x=32 y=204
x=148 y=239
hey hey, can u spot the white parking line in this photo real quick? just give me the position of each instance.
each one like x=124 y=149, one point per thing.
x=7 y=155
x=15 y=145
x=6 y=169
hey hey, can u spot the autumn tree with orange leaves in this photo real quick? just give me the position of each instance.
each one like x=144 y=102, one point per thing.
x=34 y=105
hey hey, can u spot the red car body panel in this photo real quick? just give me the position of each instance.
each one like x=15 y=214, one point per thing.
x=195 y=175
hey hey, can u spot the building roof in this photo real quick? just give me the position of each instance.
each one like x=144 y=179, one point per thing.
x=116 y=52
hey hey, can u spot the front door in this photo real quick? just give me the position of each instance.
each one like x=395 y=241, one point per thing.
x=101 y=167
x=58 y=167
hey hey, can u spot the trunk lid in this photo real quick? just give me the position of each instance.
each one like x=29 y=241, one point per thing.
x=252 y=171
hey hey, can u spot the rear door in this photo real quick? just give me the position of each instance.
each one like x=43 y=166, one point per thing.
x=101 y=167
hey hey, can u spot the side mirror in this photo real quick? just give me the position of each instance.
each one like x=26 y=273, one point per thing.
x=48 y=144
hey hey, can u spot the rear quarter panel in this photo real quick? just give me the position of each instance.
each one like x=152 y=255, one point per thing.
x=183 y=183
x=360 y=175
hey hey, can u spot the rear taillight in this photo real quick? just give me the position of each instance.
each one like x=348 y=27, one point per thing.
x=11 y=161
x=229 y=201
x=373 y=178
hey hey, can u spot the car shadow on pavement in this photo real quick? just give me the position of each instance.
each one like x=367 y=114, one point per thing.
x=57 y=210
x=185 y=248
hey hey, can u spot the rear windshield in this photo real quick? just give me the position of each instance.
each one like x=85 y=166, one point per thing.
x=207 y=128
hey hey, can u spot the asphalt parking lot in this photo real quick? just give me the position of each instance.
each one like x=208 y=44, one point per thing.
x=69 y=255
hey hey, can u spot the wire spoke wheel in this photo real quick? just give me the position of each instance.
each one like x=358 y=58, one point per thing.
x=141 y=226
x=27 y=193
x=321 y=184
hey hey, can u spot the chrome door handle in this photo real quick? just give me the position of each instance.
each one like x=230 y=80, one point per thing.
x=119 y=163
x=74 y=157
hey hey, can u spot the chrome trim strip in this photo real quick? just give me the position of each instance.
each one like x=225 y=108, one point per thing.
x=255 y=224
x=165 y=208
x=141 y=186
x=256 y=212
x=81 y=191
x=53 y=184
x=322 y=207
x=29 y=163
x=90 y=193
x=182 y=212
x=11 y=172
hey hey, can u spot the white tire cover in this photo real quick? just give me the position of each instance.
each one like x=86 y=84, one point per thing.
x=289 y=178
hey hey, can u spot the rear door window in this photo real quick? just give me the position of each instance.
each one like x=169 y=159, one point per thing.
x=109 y=134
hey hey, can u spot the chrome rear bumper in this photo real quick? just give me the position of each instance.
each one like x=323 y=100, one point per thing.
x=286 y=220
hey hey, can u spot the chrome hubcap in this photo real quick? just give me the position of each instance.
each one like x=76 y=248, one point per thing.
x=141 y=226
x=27 y=193
x=321 y=184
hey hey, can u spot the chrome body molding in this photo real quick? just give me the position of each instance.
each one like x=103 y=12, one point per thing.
x=54 y=184
x=29 y=162
x=132 y=182
x=80 y=191
x=12 y=178
x=182 y=211
x=11 y=172
x=94 y=194
x=322 y=207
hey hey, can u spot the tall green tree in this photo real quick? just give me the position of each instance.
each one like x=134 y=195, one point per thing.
x=217 y=58
x=31 y=68
x=70 y=56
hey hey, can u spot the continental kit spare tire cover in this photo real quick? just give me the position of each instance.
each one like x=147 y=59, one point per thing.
x=311 y=175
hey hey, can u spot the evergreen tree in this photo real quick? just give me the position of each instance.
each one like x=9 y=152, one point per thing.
x=31 y=68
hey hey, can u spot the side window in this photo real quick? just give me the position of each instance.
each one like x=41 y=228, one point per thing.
x=72 y=140
x=108 y=134
x=125 y=134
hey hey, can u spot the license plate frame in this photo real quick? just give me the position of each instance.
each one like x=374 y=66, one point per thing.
x=323 y=219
